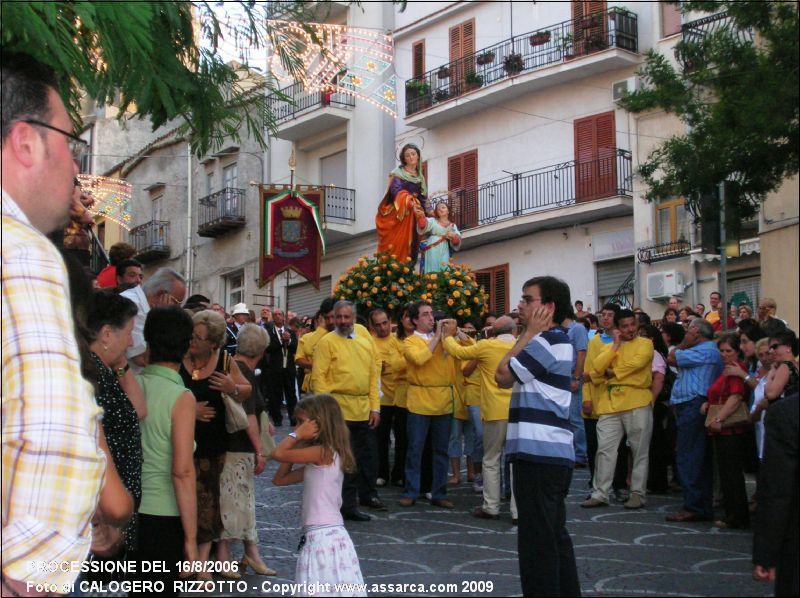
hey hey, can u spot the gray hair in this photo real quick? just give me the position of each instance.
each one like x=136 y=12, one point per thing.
x=705 y=329
x=503 y=325
x=162 y=280
x=252 y=340
x=215 y=324
x=340 y=304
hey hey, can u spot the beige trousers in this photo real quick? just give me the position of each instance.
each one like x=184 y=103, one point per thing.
x=494 y=439
x=638 y=425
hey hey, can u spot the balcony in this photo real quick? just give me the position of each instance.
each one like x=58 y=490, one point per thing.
x=151 y=241
x=561 y=195
x=694 y=33
x=301 y=113
x=659 y=252
x=553 y=55
x=339 y=213
x=221 y=212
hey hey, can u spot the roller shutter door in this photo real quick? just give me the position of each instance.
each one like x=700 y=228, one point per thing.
x=304 y=299
x=610 y=276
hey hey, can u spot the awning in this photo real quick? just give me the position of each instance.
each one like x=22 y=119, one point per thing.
x=746 y=247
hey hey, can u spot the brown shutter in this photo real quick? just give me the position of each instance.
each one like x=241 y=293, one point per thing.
x=462 y=182
x=418 y=54
x=455 y=43
x=595 y=157
x=494 y=280
x=586 y=9
x=670 y=19
x=467 y=38
x=484 y=279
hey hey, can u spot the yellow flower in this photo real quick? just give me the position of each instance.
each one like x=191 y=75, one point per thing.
x=365 y=285
x=456 y=294
x=376 y=269
x=458 y=272
x=460 y=312
x=451 y=282
x=377 y=279
x=374 y=291
x=476 y=300
x=349 y=281
x=459 y=283
x=450 y=302
x=399 y=293
x=428 y=286
x=401 y=280
x=434 y=276
x=467 y=293
x=394 y=256
x=410 y=288
x=405 y=270
x=468 y=311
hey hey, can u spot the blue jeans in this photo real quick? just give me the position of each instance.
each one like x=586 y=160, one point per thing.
x=477 y=425
x=418 y=426
x=456 y=448
x=577 y=427
x=693 y=458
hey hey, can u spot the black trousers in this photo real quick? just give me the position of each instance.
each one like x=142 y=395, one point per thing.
x=275 y=386
x=662 y=449
x=360 y=485
x=546 y=557
x=393 y=420
x=160 y=539
x=731 y=453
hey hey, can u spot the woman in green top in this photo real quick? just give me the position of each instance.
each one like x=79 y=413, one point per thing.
x=168 y=512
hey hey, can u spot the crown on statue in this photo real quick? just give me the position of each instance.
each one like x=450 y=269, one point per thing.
x=292 y=212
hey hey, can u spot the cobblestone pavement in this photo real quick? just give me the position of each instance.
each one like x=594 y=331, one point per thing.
x=619 y=552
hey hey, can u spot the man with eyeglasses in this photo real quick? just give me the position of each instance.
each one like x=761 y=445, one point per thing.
x=49 y=417
x=166 y=287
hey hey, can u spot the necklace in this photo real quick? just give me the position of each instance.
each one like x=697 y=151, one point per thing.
x=197 y=370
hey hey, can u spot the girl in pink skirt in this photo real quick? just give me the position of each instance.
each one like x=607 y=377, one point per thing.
x=328 y=563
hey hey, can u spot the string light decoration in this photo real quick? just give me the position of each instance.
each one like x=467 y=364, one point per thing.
x=349 y=60
x=112 y=198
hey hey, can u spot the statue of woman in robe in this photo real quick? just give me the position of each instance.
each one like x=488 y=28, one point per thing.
x=401 y=210
x=441 y=239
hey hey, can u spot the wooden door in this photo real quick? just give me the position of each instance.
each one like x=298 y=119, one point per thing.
x=595 y=157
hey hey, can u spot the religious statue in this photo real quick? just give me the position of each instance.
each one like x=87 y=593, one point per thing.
x=441 y=238
x=401 y=211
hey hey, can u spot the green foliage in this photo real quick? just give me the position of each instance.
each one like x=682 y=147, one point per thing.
x=737 y=90
x=380 y=281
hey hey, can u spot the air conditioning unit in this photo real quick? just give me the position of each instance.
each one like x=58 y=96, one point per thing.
x=662 y=285
x=620 y=89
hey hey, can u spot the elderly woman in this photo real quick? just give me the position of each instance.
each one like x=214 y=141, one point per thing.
x=168 y=512
x=109 y=322
x=244 y=458
x=745 y=312
x=730 y=443
x=208 y=371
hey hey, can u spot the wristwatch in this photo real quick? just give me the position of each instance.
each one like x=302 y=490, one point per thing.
x=122 y=371
x=293 y=435
x=236 y=390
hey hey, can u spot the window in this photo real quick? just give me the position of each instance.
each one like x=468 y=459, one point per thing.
x=462 y=183
x=209 y=182
x=595 y=157
x=670 y=19
x=156 y=208
x=230 y=176
x=672 y=221
x=418 y=59
x=234 y=289
x=462 y=43
x=495 y=281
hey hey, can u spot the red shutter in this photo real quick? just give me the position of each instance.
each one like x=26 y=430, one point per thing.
x=584 y=29
x=418 y=54
x=670 y=19
x=469 y=216
x=595 y=157
x=494 y=280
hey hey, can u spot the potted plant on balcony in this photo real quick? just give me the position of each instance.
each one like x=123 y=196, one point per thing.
x=443 y=72
x=418 y=94
x=593 y=43
x=568 y=46
x=440 y=95
x=590 y=22
x=473 y=81
x=513 y=64
x=485 y=58
x=540 y=38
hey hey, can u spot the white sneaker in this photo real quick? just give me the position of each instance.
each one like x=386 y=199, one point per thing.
x=380 y=482
x=428 y=495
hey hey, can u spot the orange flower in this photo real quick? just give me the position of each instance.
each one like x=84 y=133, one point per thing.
x=459 y=283
x=467 y=293
x=377 y=279
x=468 y=311
x=451 y=282
x=399 y=293
x=365 y=285
x=374 y=291
x=383 y=289
x=456 y=294
x=460 y=312
x=450 y=302
x=369 y=303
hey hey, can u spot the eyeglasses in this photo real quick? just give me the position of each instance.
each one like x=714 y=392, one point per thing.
x=77 y=146
x=173 y=299
x=198 y=339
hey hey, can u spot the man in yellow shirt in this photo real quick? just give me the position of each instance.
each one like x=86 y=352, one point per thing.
x=393 y=398
x=308 y=342
x=494 y=406
x=431 y=375
x=626 y=408
x=345 y=366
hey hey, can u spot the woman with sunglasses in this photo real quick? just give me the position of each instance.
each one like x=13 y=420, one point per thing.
x=782 y=380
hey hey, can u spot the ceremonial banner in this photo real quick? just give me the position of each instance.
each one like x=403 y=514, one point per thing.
x=291 y=232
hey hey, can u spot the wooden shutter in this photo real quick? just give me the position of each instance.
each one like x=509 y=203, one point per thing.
x=595 y=157
x=670 y=19
x=462 y=44
x=418 y=57
x=495 y=281
x=595 y=37
x=455 y=43
x=462 y=182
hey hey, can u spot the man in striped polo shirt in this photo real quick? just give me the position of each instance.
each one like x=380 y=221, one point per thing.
x=539 y=439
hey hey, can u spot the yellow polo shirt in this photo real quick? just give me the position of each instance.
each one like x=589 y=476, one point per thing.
x=305 y=350
x=489 y=353
x=347 y=369
x=394 y=368
x=592 y=391
x=632 y=365
x=430 y=377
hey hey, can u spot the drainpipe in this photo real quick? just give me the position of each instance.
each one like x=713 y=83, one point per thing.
x=189 y=260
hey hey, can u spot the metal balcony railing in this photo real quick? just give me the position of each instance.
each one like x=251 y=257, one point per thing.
x=546 y=188
x=99 y=257
x=657 y=252
x=220 y=212
x=694 y=33
x=620 y=296
x=151 y=240
x=300 y=101
x=562 y=42
x=340 y=203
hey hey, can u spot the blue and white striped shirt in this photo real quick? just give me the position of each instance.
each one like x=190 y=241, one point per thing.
x=538 y=419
